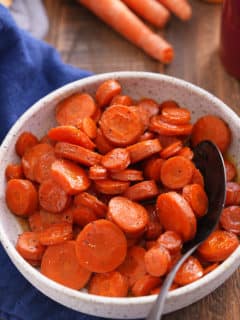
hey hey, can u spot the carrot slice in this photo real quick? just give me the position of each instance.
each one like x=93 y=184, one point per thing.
x=176 y=115
x=71 y=135
x=210 y=268
x=97 y=172
x=231 y=170
x=171 y=241
x=92 y=202
x=214 y=129
x=14 y=171
x=167 y=140
x=143 y=115
x=42 y=167
x=171 y=150
x=25 y=141
x=150 y=105
x=52 y=197
x=232 y=193
x=110 y=284
x=77 y=153
x=169 y=104
x=127 y=175
x=21 y=197
x=101 y=246
x=230 y=219
x=190 y=271
x=123 y=100
x=218 y=246
x=133 y=267
x=60 y=264
x=145 y=285
x=103 y=145
x=142 y=190
x=157 y=261
x=186 y=152
x=111 y=186
x=107 y=91
x=116 y=160
x=197 y=177
x=29 y=246
x=117 y=123
x=97 y=115
x=83 y=215
x=158 y=125
x=143 y=149
x=89 y=127
x=154 y=228
x=197 y=198
x=181 y=220
x=176 y=172
x=158 y=289
x=147 y=135
x=130 y=216
x=73 y=109
x=181 y=8
x=46 y=139
x=55 y=234
x=152 y=169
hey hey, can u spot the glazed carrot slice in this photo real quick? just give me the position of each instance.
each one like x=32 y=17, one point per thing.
x=97 y=172
x=89 y=127
x=142 y=190
x=55 y=234
x=46 y=139
x=181 y=220
x=130 y=216
x=190 y=271
x=210 y=268
x=97 y=115
x=230 y=219
x=175 y=257
x=171 y=241
x=77 y=153
x=133 y=267
x=143 y=115
x=181 y=8
x=83 y=215
x=154 y=228
x=169 y=104
x=21 y=197
x=107 y=91
x=167 y=140
x=14 y=171
x=112 y=187
x=116 y=160
x=231 y=170
x=71 y=135
x=147 y=135
x=52 y=197
x=176 y=115
x=120 y=99
x=60 y=264
x=102 y=144
x=143 y=149
x=145 y=285
x=176 y=172
x=186 y=152
x=197 y=198
x=92 y=202
x=127 y=175
x=73 y=109
x=232 y=193
x=42 y=168
x=72 y=178
x=218 y=246
x=171 y=150
x=25 y=141
x=101 y=246
x=158 y=125
x=29 y=246
x=117 y=123
x=110 y=284
x=157 y=261
x=197 y=177
x=152 y=169
x=214 y=129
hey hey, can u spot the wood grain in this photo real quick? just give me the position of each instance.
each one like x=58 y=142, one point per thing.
x=87 y=43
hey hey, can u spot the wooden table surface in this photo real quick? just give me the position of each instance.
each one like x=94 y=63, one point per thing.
x=84 y=41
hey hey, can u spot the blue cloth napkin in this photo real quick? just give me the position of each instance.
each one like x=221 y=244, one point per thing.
x=29 y=69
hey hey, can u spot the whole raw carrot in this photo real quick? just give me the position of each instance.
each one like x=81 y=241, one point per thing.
x=117 y=15
x=180 y=8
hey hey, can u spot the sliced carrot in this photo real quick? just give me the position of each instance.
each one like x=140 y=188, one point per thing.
x=197 y=198
x=176 y=172
x=117 y=123
x=197 y=177
x=232 y=193
x=152 y=168
x=154 y=228
x=181 y=220
x=142 y=190
x=214 y=129
x=83 y=215
x=181 y=8
x=21 y=197
x=92 y=202
x=107 y=91
x=89 y=127
x=143 y=115
x=133 y=267
x=52 y=197
x=231 y=170
x=73 y=109
x=97 y=115
x=71 y=135
x=34 y=263
x=120 y=99
x=127 y=175
x=167 y=140
x=35 y=222
x=158 y=289
x=97 y=172
x=158 y=125
x=25 y=141
x=171 y=150
x=46 y=139
x=157 y=261
x=175 y=257
x=55 y=234
x=230 y=219
x=150 y=105
x=169 y=104
x=111 y=186
x=60 y=264
x=145 y=285
x=210 y=268
x=186 y=152
x=116 y=160
x=14 y=171
x=218 y=246
x=171 y=241
x=110 y=284
x=102 y=144
x=130 y=216
x=190 y=271
x=147 y=135
x=176 y=115
x=29 y=246
x=101 y=246
x=143 y=149
x=77 y=153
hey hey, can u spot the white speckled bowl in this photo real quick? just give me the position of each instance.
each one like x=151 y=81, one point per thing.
x=40 y=117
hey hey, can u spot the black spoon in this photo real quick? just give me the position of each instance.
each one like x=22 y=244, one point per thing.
x=208 y=159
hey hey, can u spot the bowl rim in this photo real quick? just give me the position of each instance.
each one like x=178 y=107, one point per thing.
x=120 y=75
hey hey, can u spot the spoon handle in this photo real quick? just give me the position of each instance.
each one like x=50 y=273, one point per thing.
x=157 y=310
